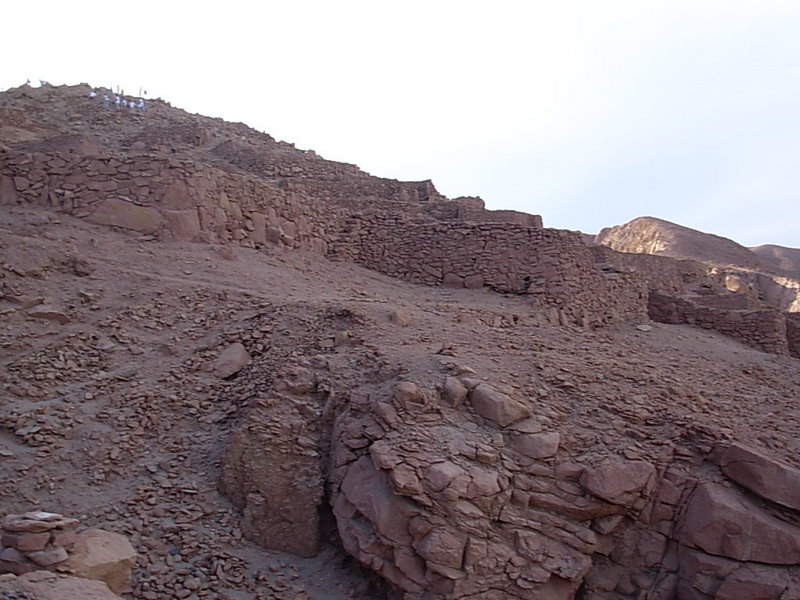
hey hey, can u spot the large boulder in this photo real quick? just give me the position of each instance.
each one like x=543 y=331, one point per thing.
x=44 y=585
x=620 y=482
x=104 y=556
x=120 y=213
x=496 y=406
x=8 y=191
x=762 y=475
x=231 y=360
x=723 y=522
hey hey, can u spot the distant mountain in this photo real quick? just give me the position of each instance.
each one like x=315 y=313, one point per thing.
x=649 y=235
x=786 y=259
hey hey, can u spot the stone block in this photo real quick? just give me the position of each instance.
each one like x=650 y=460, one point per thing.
x=497 y=406
x=8 y=191
x=765 y=476
x=723 y=522
x=49 y=557
x=177 y=196
x=104 y=556
x=120 y=213
x=26 y=542
x=620 y=482
x=183 y=224
x=231 y=360
x=537 y=445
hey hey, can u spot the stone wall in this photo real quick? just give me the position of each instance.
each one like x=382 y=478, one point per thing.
x=191 y=201
x=181 y=199
x=662 y=274
x=793 y=333
x=764 y=328
x=552 y=267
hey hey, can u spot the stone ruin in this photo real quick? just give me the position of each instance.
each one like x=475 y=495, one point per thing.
x=40 y=540
x=446 y=484
x=406 y=230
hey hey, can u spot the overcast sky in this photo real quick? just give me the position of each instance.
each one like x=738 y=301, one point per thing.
x=590 y=113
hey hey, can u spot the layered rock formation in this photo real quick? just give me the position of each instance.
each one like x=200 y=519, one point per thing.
x=459 y=489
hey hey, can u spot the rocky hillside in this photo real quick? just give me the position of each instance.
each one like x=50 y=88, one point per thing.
x=322 y=385
x=770 y=273
x=780 y=257
x=649 y=235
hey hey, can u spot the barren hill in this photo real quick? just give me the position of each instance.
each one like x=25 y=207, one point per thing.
x=780 y=257
x=322 y=385
x=649 y=235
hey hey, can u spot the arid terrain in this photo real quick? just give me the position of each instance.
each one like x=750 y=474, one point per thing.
x=283 y=378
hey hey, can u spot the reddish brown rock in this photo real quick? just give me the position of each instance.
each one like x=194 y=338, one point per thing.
x=407 y=395
x=177 y=196
x=44 y=585
x=231 y=360
x=120 y=213
x=8 y=191
x=183 y=224
x=443 y=547
x=619 y=482
x=368 y=490
x=104 y=556
x=454 y=392
x=36 y=521
x=497 y=406
x=26 y=541
x=49 y=557
x=723 y=522
x=770 y=479
x=49 y=313
x=400 y=317
x=537 y=445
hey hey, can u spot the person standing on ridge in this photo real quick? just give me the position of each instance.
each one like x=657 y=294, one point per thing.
x=106 y=100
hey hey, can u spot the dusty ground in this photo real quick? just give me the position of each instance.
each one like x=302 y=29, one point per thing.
x=110 y=412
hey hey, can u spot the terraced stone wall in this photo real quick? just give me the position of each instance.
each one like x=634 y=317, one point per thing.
x=793 y=333
x=169 y=198
x=552 y=267
x=764 y=329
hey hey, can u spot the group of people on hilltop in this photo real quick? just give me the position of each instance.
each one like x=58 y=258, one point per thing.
x=119 y=101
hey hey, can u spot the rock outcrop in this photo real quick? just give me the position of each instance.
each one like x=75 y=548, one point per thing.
x=457 y=489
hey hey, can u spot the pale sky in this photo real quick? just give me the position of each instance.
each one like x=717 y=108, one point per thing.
x=590 y=113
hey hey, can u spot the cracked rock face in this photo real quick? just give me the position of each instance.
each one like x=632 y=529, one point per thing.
x=448 y=501
x=434 y=494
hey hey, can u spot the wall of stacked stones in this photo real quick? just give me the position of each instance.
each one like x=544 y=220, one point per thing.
x=793 y=333
x=551 y=266
x=663 y=274
x=764 y=329
x=181 y=199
